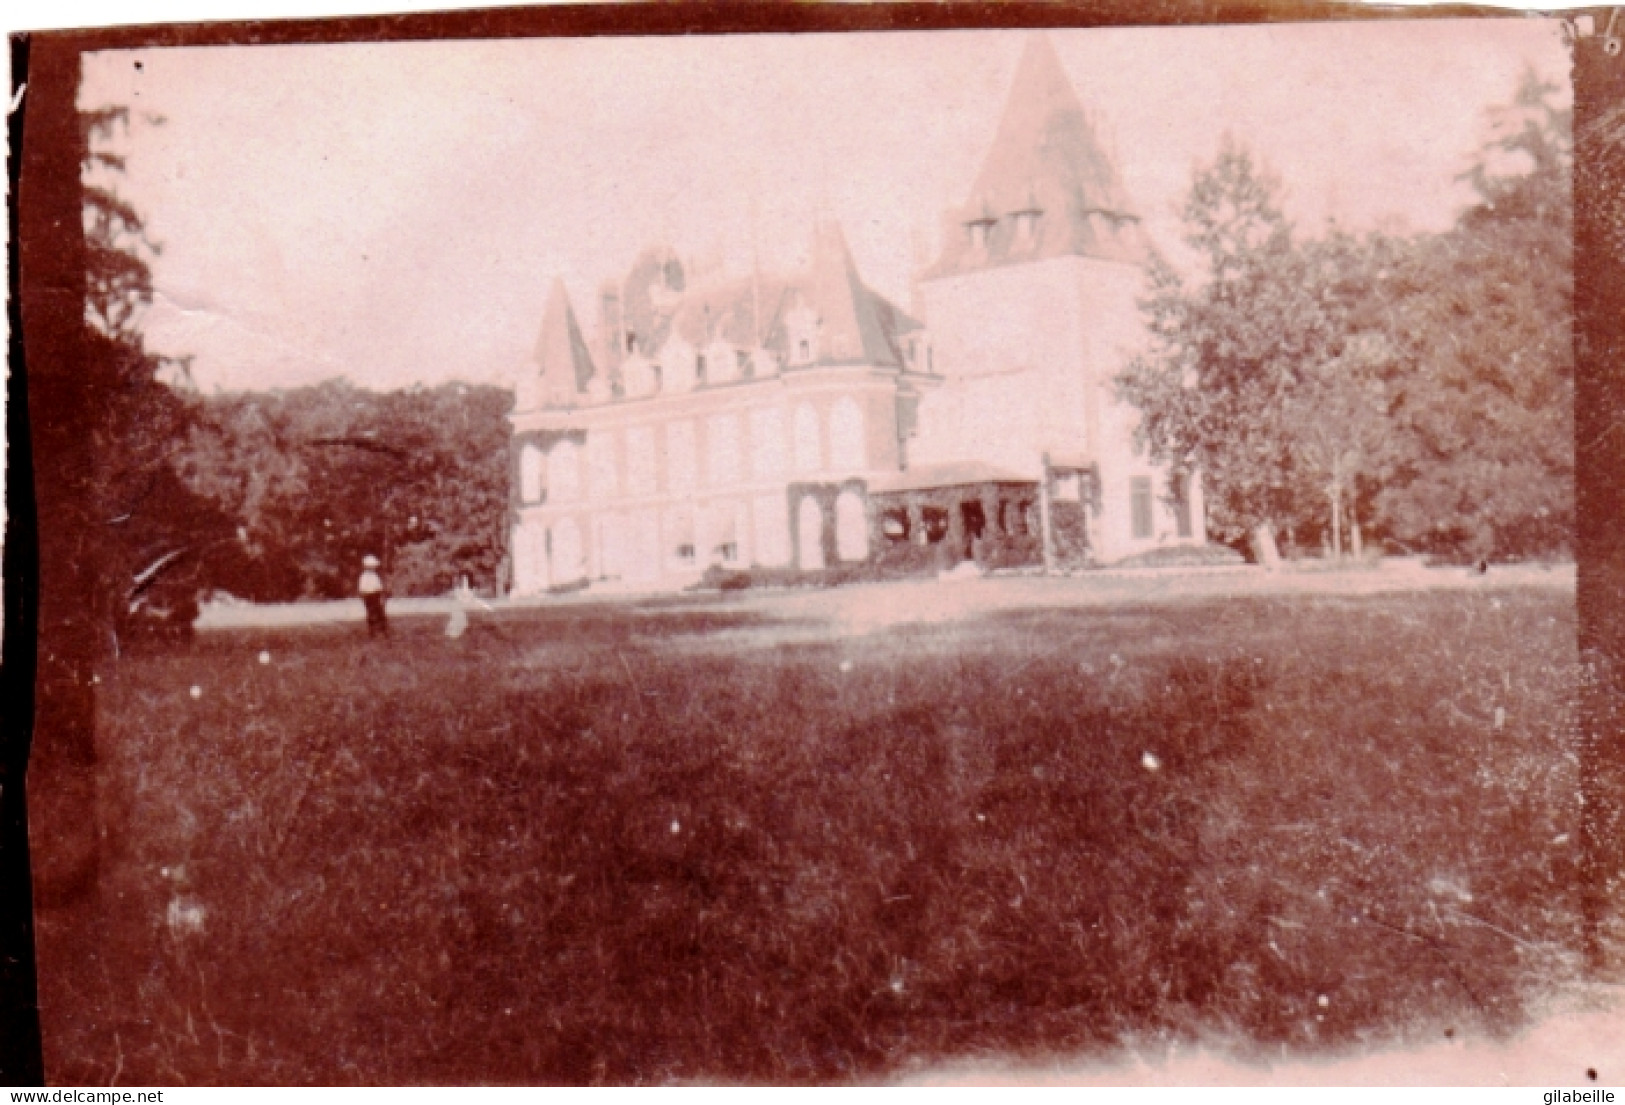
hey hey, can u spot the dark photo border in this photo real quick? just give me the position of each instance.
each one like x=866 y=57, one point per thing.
x=47 y=698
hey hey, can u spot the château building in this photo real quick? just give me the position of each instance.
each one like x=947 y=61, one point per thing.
x=803 y=422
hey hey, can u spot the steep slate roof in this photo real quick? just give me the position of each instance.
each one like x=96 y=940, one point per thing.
x=561 y=352
x=727 y=309
x=1046 y=157
x=858 y=324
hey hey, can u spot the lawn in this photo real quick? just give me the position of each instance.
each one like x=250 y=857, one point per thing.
x=674 y=841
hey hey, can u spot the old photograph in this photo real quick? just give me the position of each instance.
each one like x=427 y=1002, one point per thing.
x=824 y=558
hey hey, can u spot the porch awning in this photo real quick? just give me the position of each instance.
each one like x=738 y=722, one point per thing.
x=954 y=474
x=1071 y=462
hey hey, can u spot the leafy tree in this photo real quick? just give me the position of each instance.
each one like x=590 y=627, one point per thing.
x=1341 y=432
x=1424 y=383
x=1229 y=352
x=320 y=476
x=162 y=539
x=1485 y=398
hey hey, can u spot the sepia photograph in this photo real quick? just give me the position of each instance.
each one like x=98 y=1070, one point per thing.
x=888 y=556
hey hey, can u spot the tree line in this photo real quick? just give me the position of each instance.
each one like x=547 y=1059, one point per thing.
x=1409 y=390
x=267 y=496
x=1415 y=389
x=315 y=478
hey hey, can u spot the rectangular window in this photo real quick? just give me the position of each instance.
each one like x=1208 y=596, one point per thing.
x=1140 y=499
x=1182 y=505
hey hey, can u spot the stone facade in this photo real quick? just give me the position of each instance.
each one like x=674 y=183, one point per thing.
x=807 y=423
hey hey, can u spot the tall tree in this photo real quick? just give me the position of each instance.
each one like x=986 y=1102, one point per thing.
x=161 y=539
x=1426 y=382
x=1486 y=396
x=1229 y=350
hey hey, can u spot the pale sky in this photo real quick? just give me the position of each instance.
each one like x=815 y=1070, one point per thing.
x=396 y=213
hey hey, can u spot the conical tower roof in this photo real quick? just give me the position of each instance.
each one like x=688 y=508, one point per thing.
x=853 y=329
x=1046 y=162
x=856 y=325
x=561 y=352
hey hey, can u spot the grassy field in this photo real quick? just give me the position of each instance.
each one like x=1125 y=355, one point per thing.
x=646 y=843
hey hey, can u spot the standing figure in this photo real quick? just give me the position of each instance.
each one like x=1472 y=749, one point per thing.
x=372 y=597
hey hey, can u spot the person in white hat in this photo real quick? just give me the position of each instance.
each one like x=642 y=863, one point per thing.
x=372 y=597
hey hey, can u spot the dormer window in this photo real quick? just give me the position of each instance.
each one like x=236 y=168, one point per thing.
x=982 y=225
x=1026 y=217
x=802 y=326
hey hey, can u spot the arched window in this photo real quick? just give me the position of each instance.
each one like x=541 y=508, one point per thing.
x=809 y=535
x=846 y=435
x=768 y=456
x=722 y=451
x=643 y=555
x=611 y=546
x=640 y=461
x=530 y=474
x=564 y=472
x=720 y=533
x=808 y=448
x=851 y=527
x=567 y=563
x=681 y=463
x=527 y=579
x=603 y=476
x=679 y=534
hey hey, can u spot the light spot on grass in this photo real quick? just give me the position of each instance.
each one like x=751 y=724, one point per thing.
x=676 y=828
x=1560 y=838
x=1449 y=886
x=265 y=657
x=846 y=665
x=1323 y=1001
x=185 y=915
x=1149 y=761
x=197 y=691
x=1500 y=716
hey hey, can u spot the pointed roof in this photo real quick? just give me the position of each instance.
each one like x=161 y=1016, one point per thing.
x=1045 y=159
x=561 y=352
x=854 y=323
x=858 y=325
